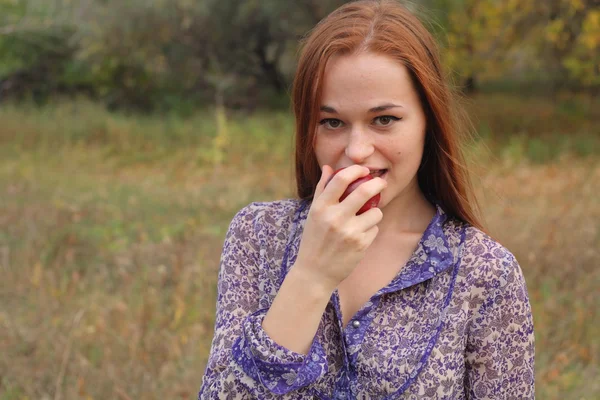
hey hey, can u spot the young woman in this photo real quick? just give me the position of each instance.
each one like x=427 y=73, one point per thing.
x=408 y=300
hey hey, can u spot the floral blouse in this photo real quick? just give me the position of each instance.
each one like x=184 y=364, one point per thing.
x=455 y=323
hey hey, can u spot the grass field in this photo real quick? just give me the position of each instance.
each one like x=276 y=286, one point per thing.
x=111 y=229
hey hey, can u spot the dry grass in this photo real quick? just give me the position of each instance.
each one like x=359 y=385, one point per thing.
x=549 y=217
x=109 y=248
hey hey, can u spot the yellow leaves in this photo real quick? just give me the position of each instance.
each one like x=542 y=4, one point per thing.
x=513 y=5
x=584 y=70
x=489 y=38
x=590 y=35
x=576 y=5
x=584 y=58
x=590 y=41
x=456 y=18
x=479 y=33
x=555 y=31
x=593 y=19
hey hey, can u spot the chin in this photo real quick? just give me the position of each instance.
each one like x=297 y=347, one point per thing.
x=382 y=203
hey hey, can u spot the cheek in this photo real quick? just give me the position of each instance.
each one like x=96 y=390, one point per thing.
x=397 y=149
x=405 y=149
x=320 y=146
x=323 y=150
x=327 y=145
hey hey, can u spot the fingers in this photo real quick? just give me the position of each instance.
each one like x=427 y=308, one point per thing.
x=363 y=193
x=367 y=220
x=371 y=234
x=326 y=172
x=335 y=188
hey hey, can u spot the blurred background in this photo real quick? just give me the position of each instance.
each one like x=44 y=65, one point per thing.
x=131 y=132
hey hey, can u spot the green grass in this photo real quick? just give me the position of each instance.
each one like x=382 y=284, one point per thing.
x=111 y=229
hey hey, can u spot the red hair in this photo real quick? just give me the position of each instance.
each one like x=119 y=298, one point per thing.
x=388 y=28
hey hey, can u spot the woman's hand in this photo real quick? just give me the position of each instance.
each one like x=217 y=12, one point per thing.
x=335 y=239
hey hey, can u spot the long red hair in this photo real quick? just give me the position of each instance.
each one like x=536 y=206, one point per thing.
x=386 y=27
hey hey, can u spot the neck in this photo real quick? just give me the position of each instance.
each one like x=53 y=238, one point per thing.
x=410 y=212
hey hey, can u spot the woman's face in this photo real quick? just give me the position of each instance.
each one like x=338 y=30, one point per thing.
x=371 y=116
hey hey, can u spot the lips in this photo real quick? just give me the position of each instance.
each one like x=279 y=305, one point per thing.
x=373 y=201
x=378 y=173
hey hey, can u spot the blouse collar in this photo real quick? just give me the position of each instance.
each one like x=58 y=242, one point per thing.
x=432 y=256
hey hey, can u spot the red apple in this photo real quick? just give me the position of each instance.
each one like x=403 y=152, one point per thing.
x=371 y=203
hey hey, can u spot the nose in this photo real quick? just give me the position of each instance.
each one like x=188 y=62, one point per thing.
x=359 y=146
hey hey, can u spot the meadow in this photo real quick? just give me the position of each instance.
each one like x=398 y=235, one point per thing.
x=112 y=225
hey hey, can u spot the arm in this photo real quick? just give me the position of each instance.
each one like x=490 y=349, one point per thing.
x=294 y=316
x=500 y=347
x=244 y=360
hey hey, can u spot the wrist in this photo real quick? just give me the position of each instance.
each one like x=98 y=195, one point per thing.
x=313 y=284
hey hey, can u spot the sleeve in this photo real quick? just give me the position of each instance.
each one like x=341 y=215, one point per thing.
x=500 y=347
x=244 y=362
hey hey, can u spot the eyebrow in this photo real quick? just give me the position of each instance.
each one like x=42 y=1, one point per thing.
x=383 y=107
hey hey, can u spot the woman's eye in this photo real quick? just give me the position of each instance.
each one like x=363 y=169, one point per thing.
x=385 y=120
x=331 y=123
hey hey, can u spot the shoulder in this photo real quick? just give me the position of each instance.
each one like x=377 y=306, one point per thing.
x=277 y=211
x=479 y=247
x=265 y=217
x=486 y=261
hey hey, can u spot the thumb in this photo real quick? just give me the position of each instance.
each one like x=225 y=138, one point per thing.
x=326 y=172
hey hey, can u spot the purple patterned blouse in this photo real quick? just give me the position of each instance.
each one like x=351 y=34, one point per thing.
x=455 y=323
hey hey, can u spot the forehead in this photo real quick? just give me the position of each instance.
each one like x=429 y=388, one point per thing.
x=365 y=78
